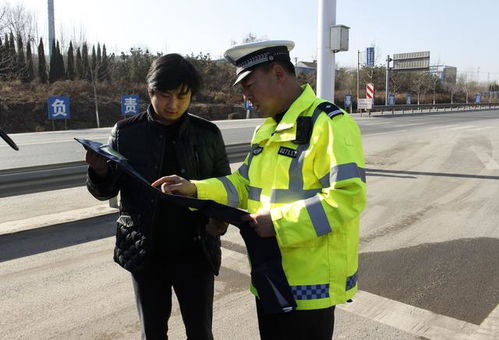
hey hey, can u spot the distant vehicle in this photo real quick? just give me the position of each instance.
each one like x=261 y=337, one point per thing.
x=7 y=139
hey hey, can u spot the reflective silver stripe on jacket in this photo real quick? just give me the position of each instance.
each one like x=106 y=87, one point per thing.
x=341 y=172
x=254 y=193
x=295 y=189
x=232 y=195
x=244 y=168
x=317 y=216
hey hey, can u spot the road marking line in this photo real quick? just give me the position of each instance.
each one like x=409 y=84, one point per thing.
x=483 y=128
x=53 y=219
x=383 y=133
x=412 y=320
x=462 y=127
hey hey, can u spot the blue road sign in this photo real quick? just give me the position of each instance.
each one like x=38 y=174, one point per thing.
x=370 y=56
x=391 y=99
x=129 y=105
x=478 y=98
x=247 y=105
x=408 y=99
x=58 y=108
x=348 y=100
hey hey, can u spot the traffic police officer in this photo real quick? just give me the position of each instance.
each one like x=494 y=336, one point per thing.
x=303 y=182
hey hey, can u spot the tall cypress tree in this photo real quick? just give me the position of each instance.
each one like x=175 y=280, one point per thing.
x=79 y=65
x=42 y=65
x=61 y=73
x=104 y=67
x=29 y=64
x=14 y=67
x=99 y=54
x=12 y=46
x=86 y=67
x=94 y=63
x=53 y=64
x=21 y=60
x=2 y=59
x=70 y=70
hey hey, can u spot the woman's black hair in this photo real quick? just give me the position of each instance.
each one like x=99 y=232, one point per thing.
x=171 y=71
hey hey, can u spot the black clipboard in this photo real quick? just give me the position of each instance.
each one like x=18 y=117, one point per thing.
x=208 y=207
x=8 y=140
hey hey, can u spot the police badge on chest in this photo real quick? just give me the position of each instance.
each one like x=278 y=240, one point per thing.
x=288 y=152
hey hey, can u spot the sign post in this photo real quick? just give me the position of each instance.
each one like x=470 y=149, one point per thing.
x=391 y=99
x=248 y=107
x=348 y=102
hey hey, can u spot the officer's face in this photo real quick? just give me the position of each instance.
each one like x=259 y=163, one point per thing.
x=171 y=105
x=260 y=89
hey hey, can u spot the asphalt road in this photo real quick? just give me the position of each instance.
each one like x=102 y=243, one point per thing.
x=429 y=245
x=59 y=147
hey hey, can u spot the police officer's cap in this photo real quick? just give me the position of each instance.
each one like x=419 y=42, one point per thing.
x=247 y=56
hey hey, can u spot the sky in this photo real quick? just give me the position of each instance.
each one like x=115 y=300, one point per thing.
x=459 y=33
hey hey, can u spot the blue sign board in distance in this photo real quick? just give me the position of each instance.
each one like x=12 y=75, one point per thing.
x=129 y=105
x=58 y=108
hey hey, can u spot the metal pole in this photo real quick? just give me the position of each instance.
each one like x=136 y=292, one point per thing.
x=50 y=7
x=358 y=67
x=386 y=80
x=325 y=57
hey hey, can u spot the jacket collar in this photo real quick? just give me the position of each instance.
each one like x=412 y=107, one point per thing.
x=286 y=129
x=152 y=117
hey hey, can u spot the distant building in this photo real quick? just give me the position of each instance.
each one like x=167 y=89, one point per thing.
x=305 y=67
x=447 y=74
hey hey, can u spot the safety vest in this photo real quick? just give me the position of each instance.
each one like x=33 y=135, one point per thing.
x=308 y=171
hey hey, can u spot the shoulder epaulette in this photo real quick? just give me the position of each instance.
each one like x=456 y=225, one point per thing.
x=330 y=109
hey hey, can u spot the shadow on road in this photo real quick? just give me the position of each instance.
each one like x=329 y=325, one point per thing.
x=381 y=172
x=31 y=242
x=457 y=278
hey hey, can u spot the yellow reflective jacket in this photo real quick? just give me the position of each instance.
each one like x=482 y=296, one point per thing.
x=315 y=191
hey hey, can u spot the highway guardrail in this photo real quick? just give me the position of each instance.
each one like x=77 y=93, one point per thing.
x=415 y=108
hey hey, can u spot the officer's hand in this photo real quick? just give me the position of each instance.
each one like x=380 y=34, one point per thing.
x=216 y=227
x=175 y=185
x=97 y=163
x=262 y=223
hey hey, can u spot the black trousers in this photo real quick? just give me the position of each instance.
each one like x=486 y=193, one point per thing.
x=317 y=324
x=193 y=282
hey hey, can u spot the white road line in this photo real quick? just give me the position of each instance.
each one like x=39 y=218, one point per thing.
x=462 y=127
x=383 y=133
x=483 y=128
x=409 y=319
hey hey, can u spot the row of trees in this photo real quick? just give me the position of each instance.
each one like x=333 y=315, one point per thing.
x=418 y=84
x=17 y=63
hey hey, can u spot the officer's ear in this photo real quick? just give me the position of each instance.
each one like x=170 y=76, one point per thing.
x=150 y=92
x=278 y=71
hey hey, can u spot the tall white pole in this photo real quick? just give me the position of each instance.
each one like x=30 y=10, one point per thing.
x=50 y=7
x=325 y=57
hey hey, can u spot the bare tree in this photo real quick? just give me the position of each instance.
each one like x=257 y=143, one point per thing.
x=420 y=84
x=20 y=21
